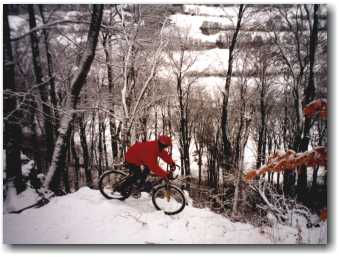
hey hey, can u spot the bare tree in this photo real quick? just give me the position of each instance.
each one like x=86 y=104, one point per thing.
x=76 y=86
x=309 y=95
x=133 y=91
x=50 y=70
x=12 y=129
x=224 y=123
x=84 y=145
x=181 y=61
x=243 y=130
x=47 y=113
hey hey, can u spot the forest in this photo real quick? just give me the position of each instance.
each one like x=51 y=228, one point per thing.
x=240 y=89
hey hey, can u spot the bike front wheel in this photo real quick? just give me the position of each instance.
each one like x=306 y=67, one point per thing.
x=110 y=183
x=169 y=198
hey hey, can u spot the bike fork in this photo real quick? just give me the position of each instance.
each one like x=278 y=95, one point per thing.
x=168 y=193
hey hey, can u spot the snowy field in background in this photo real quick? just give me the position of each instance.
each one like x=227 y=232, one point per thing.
x=87 y=217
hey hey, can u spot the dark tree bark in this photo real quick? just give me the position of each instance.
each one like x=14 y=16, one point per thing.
x=12 y=129
x=114 y=138
x=309 y=95
x=86 y=158
x=112 y=127
x=199 y=147
x=76 y=86
x=50 y=72
x=92 y=159
x=238 y=141
x=169 y=114
x=224 y=116
x=76 y=162
x=263 y=88
x=47 y=113
x=184 y=141
x=288 y=177
x=314 y=179
x=32 y=107
x=65 y=169
x=104 y=142
x=156 y=125
x=100 y=147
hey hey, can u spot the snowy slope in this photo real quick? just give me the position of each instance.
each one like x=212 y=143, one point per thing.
x=86 y=217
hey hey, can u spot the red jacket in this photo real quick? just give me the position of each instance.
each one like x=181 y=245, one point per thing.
x=147 y=153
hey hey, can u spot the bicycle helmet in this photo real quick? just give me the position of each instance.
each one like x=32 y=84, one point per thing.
x=165 y=140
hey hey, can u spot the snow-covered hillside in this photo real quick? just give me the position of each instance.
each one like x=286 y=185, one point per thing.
x=87 y=217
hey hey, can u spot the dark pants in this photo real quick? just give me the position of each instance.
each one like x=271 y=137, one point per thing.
x=138 y=176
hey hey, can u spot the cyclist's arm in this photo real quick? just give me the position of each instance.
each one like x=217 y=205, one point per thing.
x=157 y=170
x=164 y=155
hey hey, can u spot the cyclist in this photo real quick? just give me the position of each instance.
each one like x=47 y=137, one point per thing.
x=145 y=154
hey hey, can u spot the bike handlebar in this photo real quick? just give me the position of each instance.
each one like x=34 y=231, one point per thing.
x=173 y=178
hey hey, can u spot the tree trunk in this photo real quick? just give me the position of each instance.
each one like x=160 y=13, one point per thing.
x=309 y=95
x=237 y=191
x=47 y=113
x=240 y=165
x=199 y=165
x=76 y=162
x=104 y=143
x=289 y=182
x=183 y=129
x=261 y=141
x=92 y=160
x=50 y=72
x=112 y=127
x=32 y=107
x=314 y=179
x=12 y=129
x=169 y=118
x=241 y=126
x=62 y=171
x=224 y=117
x=100 y=147
x=86 y=158
x=76 y=86
x=65 y=167
x=114 y=140
x=156 y=125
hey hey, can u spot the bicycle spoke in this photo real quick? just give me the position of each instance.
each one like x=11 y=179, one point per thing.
x=110 y=184
x=169 y=200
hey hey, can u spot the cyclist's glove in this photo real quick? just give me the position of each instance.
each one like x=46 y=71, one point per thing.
x=172 y=167
x=169 y=175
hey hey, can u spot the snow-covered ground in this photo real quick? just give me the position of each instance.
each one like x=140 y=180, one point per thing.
x=87 y=217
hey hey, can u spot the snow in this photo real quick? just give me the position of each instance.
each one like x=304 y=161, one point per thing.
x=87 y=217
x=17 y=24
x=213 y=60
x=250 y=154
x=211 y=10
x=22 y=200
x=208 y=61
x=211 y=85
x=73 y=15
x=71 y=38
x=191 y=25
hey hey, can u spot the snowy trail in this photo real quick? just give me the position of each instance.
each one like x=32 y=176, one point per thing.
x=87 y=217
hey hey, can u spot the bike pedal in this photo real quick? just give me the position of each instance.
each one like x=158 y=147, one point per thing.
x=136 y=195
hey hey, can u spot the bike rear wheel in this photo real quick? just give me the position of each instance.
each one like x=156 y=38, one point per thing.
x=169 y=199
x=110 y=184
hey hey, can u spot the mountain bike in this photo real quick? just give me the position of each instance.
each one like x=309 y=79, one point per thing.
x=166 y=196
